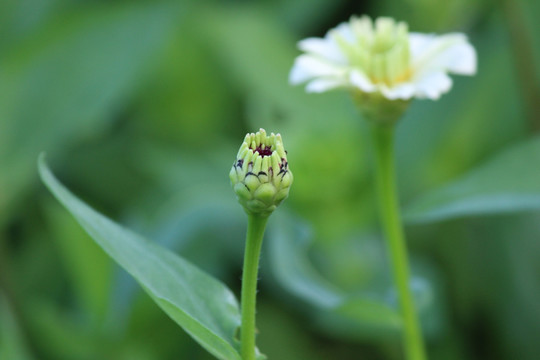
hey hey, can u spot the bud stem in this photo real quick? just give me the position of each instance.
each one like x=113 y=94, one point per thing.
x=255 y=232
x=383 y=136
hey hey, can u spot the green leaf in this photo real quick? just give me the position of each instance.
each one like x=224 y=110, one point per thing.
x=369 y=312
x=66 y=78
x=304 y=15
x=90 y=270
x=509 y=182
x=12 y=344
x=200 y=304
x=52 y=323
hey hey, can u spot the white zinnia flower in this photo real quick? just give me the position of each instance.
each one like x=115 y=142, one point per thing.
x=383 y=57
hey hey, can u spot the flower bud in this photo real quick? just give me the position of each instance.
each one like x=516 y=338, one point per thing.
x=260 y=174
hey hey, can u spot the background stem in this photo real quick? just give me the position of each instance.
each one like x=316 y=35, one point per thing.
x=521 y=42
x=254 y=237
x=383 y=136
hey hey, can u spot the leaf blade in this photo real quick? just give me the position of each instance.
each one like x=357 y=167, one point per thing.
x=509 y=182
x=202 y=305
x=371 y=312
x=66 y=78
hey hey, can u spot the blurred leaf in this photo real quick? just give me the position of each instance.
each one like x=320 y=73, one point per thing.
x=304 y=15
x=64 y=80
x=87 y=266
x=12 y=345
x=369 y=313
x=529 y=15
x=203 y=306
x=294 y=269
x=51 y=326
x=284 y=335
x=432 y=15
x=185 y=98
x=18 y=18
x=509 y=182
x=512 y=269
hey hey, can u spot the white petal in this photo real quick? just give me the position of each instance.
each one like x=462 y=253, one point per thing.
x=460 y=59
x=432 y=85
x=344 y=30
x=361 y=81
x=322 y=85
x=419 y=43
x=451 y=52
x=403 y=91
x=324 y=48
x=307 y=67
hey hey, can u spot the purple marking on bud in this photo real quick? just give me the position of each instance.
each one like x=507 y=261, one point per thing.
x=263 y=152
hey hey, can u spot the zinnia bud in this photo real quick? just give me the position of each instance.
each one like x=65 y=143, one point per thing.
x=260 y=174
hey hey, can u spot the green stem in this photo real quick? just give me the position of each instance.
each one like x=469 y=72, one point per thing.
x=523 y=51
x=254 y=237
x=383 y=136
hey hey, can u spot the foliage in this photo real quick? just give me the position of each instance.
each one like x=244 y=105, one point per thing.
x=140 y=107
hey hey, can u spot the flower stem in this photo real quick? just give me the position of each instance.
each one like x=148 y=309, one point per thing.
x=254 y=237
x=383 y=136
x=523 y=51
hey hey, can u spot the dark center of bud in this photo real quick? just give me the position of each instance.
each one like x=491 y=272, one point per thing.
x=262 y=152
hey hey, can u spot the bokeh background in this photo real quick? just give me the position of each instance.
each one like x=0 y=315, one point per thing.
x=141 y=107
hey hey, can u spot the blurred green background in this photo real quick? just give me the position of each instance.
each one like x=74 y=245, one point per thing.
x=141 y=107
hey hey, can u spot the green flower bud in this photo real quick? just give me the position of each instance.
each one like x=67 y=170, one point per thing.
x=260 y=175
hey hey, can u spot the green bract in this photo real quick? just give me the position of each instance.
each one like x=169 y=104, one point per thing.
x=260 y=174
x=376 y=107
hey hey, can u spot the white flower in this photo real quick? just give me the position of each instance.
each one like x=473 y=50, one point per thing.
x=383 y=57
